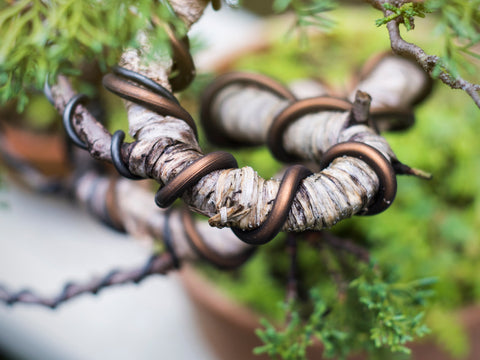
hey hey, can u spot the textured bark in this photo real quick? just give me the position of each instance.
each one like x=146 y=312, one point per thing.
x=240 y=198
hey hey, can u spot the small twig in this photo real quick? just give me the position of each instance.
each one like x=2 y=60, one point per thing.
x=292 y=284
x=402 y=169
x=361 y=107
x=338 y=243
x=336 y=276
x=156 y=264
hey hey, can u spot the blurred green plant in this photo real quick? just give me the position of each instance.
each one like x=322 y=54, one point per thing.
x=458 y=23
x=308 y=14
x=53 y=37
x=387 y=313
x=406 y=12
x=425 y=246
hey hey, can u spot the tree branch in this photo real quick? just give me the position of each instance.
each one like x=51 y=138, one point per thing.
x=165 y=146
x=157 y=264
x=427 y=62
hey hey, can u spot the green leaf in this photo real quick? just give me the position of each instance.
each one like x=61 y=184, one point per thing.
x=281 y=5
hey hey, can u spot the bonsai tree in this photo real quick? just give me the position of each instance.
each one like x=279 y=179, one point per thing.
x=340 y=294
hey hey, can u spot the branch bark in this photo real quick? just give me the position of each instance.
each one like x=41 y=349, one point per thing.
x=164 y=146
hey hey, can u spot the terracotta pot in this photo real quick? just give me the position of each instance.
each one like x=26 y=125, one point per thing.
x=229 y=327
x=44 y=151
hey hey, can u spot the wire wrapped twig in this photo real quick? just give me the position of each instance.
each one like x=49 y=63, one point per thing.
x=156 y=264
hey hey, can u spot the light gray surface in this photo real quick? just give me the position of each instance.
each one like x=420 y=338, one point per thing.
x=46 y=242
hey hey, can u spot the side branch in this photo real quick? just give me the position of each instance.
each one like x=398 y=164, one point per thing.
x=157 y=264
x=427 y=62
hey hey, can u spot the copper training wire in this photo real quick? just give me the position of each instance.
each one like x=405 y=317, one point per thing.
x=112 y=213
x=205 y=251
x=119 y=136
x=392 y=119
x=212 y=131
x=196 y=170
x=387 y=188
x=294 y=112
x=147 y=98
x=281 y=207
x=189 y=176
x=145 y=82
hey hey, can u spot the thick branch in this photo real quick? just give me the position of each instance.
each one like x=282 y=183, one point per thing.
x=130 y=204
x=240 y=198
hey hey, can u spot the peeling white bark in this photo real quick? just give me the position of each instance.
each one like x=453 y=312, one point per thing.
x=239 y=197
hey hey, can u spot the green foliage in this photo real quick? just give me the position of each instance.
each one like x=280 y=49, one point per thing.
x=378 y=314
x=430 y=231
x=291 y=343
x=53 y=37
x=394 y=308
x=459 y=24
x=406 y=13
x=309 y=13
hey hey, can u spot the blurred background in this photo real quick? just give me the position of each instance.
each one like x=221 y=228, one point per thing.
x=431 y=230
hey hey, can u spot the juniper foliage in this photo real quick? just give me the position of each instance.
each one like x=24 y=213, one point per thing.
x=57 y=36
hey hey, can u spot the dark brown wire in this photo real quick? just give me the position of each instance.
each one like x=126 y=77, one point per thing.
x=189 y=176
x=216 y=4
x=392 y=119
x=294 y=112
x=281 y=207
x=192 y=173
x=207 y=118
x=387 y=188
x=208 y=253
x=147 y=98
x=111 y=206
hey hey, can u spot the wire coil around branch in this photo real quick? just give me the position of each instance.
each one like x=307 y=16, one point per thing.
x=68 y=113
x=214 y=134
x=387 y=189
x=292 y=113
x=281 y=207
x=189 y=176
